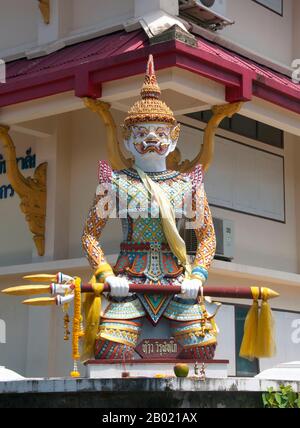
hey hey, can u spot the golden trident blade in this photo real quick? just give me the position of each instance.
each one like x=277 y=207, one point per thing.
x=27 y=290
x=42 y=277
x=41 y=301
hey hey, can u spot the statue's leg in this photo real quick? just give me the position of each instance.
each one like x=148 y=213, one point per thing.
x=119 y=329
x=193 y=326
x=117 y=339
x=196 y=343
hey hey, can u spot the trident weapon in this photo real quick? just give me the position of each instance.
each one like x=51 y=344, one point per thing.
x=62 y=286
x=63 y=289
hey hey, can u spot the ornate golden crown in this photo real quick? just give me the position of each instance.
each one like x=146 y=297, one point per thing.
x=150 y=108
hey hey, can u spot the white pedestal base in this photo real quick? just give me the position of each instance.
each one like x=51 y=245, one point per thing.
x=150 y=369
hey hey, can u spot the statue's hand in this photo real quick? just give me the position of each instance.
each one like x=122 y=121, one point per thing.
x=61 y=289
x=119 y=287
x=63 y=292
x=190 y=289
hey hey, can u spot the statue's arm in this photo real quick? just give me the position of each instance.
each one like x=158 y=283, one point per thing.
x=206 y=238
x=92 y=231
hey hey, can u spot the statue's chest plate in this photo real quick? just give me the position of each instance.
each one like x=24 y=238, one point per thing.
x=135 y=201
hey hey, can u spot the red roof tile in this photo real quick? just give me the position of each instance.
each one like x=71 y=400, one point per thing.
x=83 y=67
x=261 y=71
x=81 y=53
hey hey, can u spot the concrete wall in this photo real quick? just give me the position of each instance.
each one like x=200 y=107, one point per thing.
x=95 y=12
x=266 y=243
x=261 y=242
x=139 y=394
x=261 y=30
x=18 y=23
x=88 y=146
x=15 y=245
x=296 y=28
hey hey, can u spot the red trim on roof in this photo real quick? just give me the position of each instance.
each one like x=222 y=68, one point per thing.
x=84 y=67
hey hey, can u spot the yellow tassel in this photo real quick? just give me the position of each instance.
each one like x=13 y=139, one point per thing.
x=76 y=319
x=248 y=347
x=92 y=308
x=265 y=345
x=75 y=374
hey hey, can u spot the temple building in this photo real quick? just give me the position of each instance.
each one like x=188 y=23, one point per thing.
x=57 y=58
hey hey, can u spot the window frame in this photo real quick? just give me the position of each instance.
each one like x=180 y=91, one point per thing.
x=260 y=2
x=234 y=131
x=239 y=139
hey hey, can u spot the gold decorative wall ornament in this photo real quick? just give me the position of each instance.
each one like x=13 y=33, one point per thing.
x=31 y=190
x=44 y=6
x=206 y=154
x=115 y=155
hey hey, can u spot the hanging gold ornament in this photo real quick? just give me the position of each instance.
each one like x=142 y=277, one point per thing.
x=66 y=327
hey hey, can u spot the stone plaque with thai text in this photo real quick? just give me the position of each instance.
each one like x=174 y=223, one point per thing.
x=156 y=349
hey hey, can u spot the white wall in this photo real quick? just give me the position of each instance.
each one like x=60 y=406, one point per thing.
x=13 y=353
x=18 y=23
x=22 y=28
x=260 y=242
x=266 y=243
x=287 y=339
x=297 y=193
x=88 y=146
x=226 y=339
x=296 y=28
x=145 y=6
x=16 y=243
x=100 y=12
x=262 y=30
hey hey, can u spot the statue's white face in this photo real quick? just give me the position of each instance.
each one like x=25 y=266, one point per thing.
x=151 y=141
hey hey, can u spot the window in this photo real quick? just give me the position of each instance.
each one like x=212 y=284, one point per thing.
x=246 y=127
x=242 y=178
x=274 y=5
x=244 y=368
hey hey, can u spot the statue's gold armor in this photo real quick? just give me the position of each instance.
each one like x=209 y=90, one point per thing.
x=146 y=257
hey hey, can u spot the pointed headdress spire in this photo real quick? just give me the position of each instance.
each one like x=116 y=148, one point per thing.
x=150 y=87
x=150 y=108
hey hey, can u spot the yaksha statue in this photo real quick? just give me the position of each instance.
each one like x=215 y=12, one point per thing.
x=154 y=204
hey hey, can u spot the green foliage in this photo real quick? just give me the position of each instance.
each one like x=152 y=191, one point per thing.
x=286 y=398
